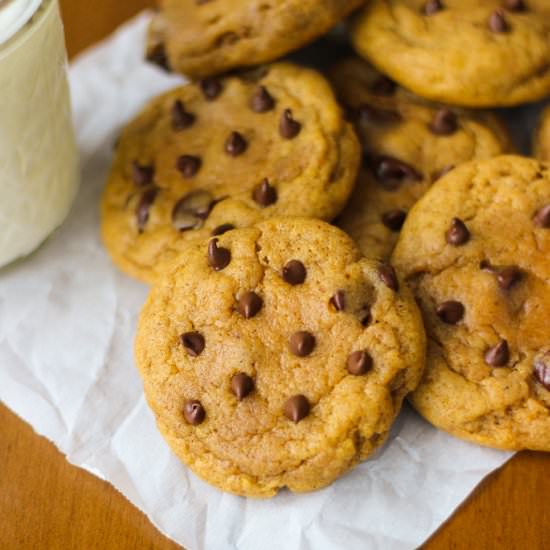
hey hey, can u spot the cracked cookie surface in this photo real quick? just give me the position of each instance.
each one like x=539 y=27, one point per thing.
x=202 y=38
x=277 y=356
x=226 y=153
x=475 y=252
x=464 y=52
x=542 y=138
x=408 y=143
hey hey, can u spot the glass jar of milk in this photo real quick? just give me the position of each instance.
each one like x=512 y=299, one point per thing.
x=38 y=154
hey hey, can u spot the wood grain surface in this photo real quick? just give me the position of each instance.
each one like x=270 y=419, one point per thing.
x=45 y=503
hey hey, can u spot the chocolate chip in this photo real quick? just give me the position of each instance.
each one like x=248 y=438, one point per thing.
x=383 y=86
x=432 y=6
x=159 y=57
x=450 y=312
x=193 y=342
x=457 y=234
x=250 y=304
x=181 y=119
x=366 y=114
x=218 y=257
x=191 y=210
x=499 y=355
x=288 y=127
x=302 y=343
x=235 y=144
x=144 y=206
x=367 y=318
x=194 y=412
x=497 y=22
x=542 y=368
x=338 y=300
x=485 y=265
x=359 y=362
x=515 y=5
x=183 y=220
x=297 y=408
x=391 y=172
x=442 y=172
x=294 y=272
x=200 y=202
x=542 y=217
x=388 y=276
x=264 y=193
x=221 y=229
x=142 y=174
x=188 y=165
x=394 y=219
x=242 y=385
x=262 y=101
x=211 y=88
x=508 y=277
x=444 y=123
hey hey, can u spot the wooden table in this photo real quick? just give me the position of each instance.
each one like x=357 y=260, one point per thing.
x=47 y=504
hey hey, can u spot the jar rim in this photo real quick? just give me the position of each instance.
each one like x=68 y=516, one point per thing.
x=14 y=15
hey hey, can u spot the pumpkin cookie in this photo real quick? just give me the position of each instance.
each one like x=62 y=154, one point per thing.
x=226 y=153
x=464 y=52
x=277 y=356
x=408 y=144
x=475 y=252
x=203 y=38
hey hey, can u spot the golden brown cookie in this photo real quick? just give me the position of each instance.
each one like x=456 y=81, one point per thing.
x=203 y=38
x=408 y=144
x=464 y=52
x=542 y=139
x=226 y=153
x=277 y=356
x=475 y=252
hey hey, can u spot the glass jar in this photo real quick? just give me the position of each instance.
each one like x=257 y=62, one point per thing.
x=38 y=153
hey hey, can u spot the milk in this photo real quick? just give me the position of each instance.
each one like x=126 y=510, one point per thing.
x=38 y=154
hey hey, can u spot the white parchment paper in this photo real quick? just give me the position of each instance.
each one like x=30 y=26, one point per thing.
x=67 y=321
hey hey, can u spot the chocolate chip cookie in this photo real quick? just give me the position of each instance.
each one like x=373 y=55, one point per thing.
x=542 y=139
x=408 y=144
x=475 y=252
x=463 y=52
x=225 y=153
x=201 y=38
x=277 y=356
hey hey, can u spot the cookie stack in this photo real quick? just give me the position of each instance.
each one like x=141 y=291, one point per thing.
x=275 y=349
